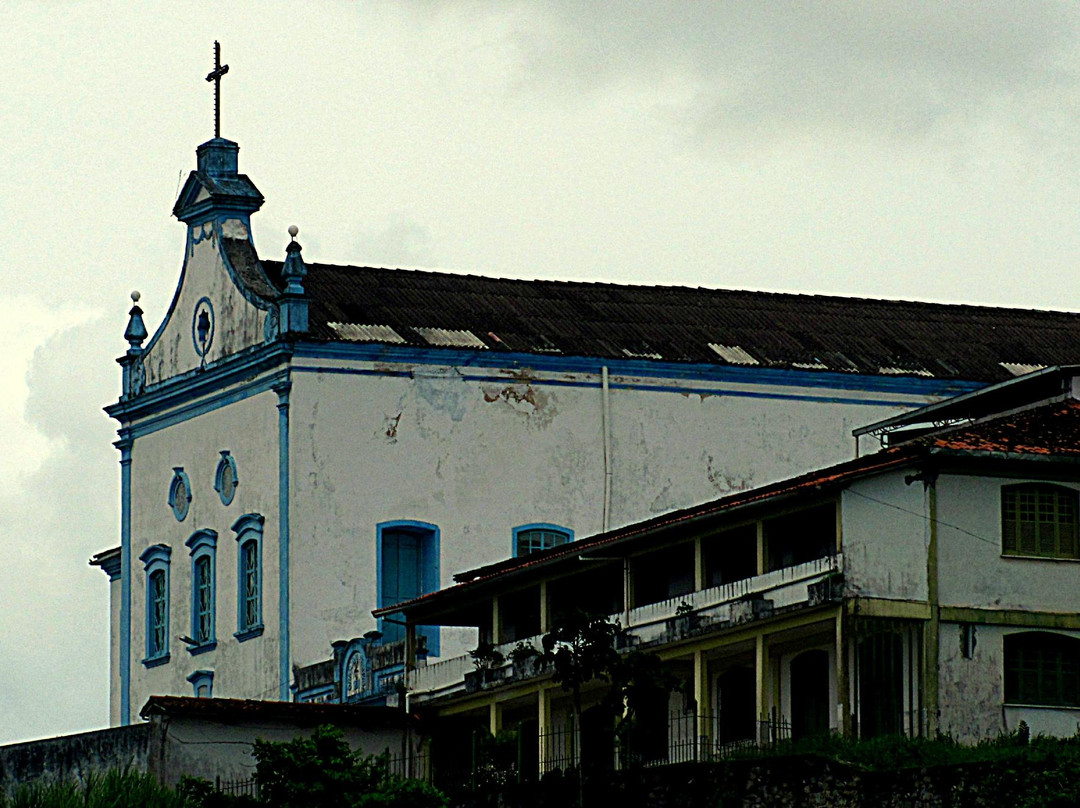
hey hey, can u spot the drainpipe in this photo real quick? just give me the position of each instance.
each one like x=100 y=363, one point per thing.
x=605 y=422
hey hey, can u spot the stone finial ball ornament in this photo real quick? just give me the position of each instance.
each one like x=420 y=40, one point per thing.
x=293 y=230
x=135 y=296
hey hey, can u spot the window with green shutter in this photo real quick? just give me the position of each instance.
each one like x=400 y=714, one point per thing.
x=1042 y=669
x=1039 y=520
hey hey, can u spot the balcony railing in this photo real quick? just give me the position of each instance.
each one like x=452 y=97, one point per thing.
x=518 y=757
x=665 y=621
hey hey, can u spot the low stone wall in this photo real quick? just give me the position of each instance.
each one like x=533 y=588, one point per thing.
x=75 y=756
x=794 y=782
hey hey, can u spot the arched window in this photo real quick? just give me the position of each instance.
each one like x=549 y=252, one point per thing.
x=1039 y=519
x=540 y=536
x=203 y=546
x=1042 y=669
x=202 y=683
x=156 y=562
x=249 y=622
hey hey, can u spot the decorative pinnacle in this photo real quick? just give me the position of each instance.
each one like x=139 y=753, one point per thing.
x=135 y=332
x=293 y=230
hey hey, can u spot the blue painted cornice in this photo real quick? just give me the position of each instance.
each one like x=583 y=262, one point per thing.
x=186 y=387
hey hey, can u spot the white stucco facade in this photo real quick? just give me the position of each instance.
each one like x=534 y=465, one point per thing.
x=330 y=440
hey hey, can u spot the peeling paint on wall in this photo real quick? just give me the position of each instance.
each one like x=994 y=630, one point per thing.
x=524 y=399
x=392 y=427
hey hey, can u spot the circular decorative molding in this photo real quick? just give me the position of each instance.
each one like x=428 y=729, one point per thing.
x=226 y=479
x=202 y=326
x=180 y=494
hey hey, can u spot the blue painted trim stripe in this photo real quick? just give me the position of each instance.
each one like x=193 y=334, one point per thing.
x=642 y=368
x=209 y=404
x=193 y=409
x=193 y=384
x=124 y=662
x=284 y=652
x=651 y=388
x=171 y=402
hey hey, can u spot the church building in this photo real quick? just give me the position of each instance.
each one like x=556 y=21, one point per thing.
x=301 y=443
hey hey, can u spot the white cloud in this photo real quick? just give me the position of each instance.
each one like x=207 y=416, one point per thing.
x=58 y=499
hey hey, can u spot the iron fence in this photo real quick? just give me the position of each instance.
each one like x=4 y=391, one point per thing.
x=415 y=765
x=237 y=788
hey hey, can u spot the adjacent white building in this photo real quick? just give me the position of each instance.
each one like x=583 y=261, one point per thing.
x=301 y=443
x=931 y=587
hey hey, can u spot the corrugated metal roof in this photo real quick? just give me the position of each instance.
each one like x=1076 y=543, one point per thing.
x=682 y=324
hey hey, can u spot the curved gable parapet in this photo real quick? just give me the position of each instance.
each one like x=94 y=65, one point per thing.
x=224 y=301
x=221 y=306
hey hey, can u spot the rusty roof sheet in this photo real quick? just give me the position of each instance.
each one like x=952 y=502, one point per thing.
x=296 y=712
x=1049 y=430
x=683 y=324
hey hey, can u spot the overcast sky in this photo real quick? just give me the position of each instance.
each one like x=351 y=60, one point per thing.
x=917 y=150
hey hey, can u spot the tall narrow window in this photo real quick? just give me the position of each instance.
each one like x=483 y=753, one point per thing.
x=249 y=621
x=158 y=635
x=204 y=608
x=203 y=546
x=408 y=567
x=536 y=537
x=1038 y=519
x=156 y=561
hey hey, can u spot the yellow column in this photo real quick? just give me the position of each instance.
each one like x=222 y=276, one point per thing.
x=543 y=716
x=761 y=692
x=703 y=703
x=930 y=636
x=544 y=613
x=699 y=566
x=843 y=686
x=494 y=717
x=761 y=548
x=496 y=628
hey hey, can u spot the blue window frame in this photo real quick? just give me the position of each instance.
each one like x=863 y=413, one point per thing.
x=203 y=546
x=539 y=536
x=180 y=494
x=156 y=563
x=408 y=564
x=225 y=478
x=202 y=683
x=249 y=532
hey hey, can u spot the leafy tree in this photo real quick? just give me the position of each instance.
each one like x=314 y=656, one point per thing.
x=322 y=771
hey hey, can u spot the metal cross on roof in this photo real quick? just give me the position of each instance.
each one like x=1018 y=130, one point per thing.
x=215 y=76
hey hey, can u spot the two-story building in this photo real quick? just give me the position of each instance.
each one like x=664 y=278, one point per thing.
x=932 y=586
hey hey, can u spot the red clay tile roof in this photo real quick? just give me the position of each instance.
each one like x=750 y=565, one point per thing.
x=1047 y=430
x=678 y=324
